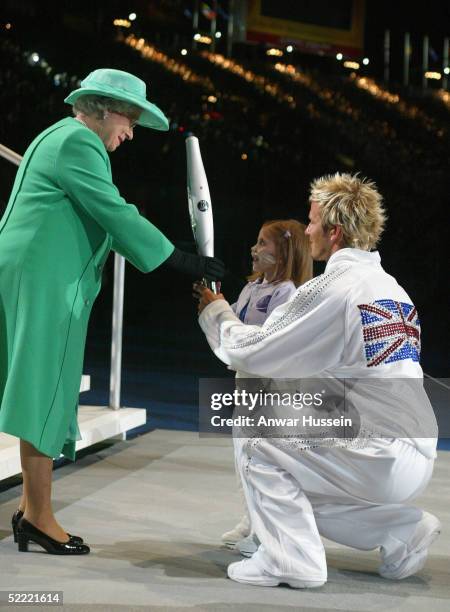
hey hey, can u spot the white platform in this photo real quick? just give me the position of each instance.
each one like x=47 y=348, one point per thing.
x=85 y=384
x=96 y=423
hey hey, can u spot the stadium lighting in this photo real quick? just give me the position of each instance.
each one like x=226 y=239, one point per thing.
x=183 y=51
x=122 y=23
x=352 y=65
x=289 y=48
x=273 y=51
x=446 y=70
x=206 y=40
x=132 y=16
x=218 y=35
x=366 y=61
x=339 y=56
x=35 y=57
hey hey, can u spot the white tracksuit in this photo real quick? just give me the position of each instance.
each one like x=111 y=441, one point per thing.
x=352 y=322
x=257 y=300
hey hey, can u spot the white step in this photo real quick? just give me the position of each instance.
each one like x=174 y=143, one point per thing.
x=96 y=423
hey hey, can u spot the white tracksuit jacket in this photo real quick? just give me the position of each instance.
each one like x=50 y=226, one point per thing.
x=352 y=322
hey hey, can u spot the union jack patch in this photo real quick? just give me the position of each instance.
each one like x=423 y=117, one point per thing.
x=391 y=331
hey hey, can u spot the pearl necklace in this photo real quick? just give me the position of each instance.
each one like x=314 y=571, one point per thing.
x=81 y=121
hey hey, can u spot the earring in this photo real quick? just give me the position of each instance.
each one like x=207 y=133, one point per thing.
x=105 y=115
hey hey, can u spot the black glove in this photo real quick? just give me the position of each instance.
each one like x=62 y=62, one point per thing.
x=197 y=266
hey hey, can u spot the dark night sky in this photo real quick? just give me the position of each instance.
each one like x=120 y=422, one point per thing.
x=401 y=17
x=431 y=18
x=423 y=18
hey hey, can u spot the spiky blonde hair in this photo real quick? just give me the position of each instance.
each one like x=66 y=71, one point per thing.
x=354 y=204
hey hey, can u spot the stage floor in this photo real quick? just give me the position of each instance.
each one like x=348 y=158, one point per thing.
x=153 y=509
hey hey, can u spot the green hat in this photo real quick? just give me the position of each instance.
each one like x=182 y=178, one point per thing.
x=124 y=86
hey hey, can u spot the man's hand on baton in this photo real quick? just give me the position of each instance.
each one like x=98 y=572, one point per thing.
x=205 y=296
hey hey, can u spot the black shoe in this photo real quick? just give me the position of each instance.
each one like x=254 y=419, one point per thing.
x=15 y=519
x=26 y=533
x=18 y=515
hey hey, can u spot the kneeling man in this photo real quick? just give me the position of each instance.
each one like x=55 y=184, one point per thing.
x=354 y=322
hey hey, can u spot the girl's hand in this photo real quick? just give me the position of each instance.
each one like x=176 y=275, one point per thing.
x=205 y=296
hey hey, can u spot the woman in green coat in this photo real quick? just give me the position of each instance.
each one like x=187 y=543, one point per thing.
x=63 y=218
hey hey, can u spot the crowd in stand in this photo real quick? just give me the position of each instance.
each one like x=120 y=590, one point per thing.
x=260 y=153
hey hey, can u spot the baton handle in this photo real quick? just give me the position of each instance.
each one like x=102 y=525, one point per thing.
x=211 y=285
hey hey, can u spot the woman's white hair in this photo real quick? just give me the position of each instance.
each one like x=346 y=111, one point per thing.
x=96 y=106
x=354 y=204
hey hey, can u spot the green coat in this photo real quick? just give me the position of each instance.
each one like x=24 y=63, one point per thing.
x=63 y=217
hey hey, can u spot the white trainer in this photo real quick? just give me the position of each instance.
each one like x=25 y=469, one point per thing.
x=250 y=572
x=241 y=531
x=427 y=530
x=248 y=546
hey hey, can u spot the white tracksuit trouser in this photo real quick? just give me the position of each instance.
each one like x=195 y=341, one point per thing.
x=352 y=496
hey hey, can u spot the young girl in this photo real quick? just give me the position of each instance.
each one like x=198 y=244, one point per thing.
x=281 y=262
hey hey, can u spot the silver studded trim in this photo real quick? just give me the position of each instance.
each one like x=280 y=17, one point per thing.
x=300 y=304
x=302 y=444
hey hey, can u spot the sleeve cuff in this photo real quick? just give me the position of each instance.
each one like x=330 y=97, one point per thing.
x=208 y=319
